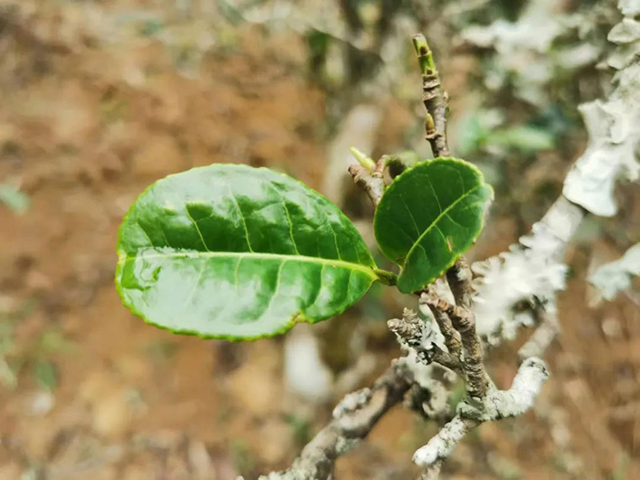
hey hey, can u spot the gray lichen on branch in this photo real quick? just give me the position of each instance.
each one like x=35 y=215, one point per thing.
x=352 y=420
x=371 y=182
x=482 y=313
x=418 y=335
x=463 y=322
x=496 y=405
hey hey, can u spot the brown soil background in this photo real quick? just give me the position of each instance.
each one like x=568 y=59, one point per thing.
x=87 y=121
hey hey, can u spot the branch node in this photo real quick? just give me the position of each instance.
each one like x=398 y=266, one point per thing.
x=434 y=98
x=371 y=182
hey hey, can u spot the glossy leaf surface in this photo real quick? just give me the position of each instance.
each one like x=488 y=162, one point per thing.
x=429 y=216
x=230 y=251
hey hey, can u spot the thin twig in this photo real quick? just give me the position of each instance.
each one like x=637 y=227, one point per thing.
x=497 y=405
x=459 y=278
x=358 y=412
x=414 y=333
x=450 y=334
x=353 y=419
x=477 y=378
x=434 y=98
x=544 y=334
x=372 y=182
x=463 y=320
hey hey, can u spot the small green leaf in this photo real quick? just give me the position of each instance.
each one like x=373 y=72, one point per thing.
x=45 y=374
x=13 y=198
x=429 y=216
x=230 y=251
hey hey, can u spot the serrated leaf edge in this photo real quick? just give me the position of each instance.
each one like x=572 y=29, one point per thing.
x=474 y=238
x=296 y=318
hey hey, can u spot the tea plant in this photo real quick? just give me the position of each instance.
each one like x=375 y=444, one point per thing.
x=234 y=252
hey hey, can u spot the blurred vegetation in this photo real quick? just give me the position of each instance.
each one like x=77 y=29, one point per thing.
x=106 y=96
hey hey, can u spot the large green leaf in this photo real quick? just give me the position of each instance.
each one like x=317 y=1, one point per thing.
x=429 y=216
x=230 y=251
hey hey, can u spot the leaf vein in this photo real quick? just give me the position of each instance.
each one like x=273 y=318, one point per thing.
x=433 y=190
x=165 y=235
x=256 y=255
x=437 y=219
x=289 y=221
x=455 y=221
x=195 y=224
x=244 y=221
x=317 y=292
x=415 y=224
x=195 y=285
x=275 y=290
x=145 y=233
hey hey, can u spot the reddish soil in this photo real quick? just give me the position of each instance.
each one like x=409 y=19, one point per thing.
x=86 y=123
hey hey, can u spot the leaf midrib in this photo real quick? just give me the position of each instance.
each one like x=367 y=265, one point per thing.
x=437 y=219
x=255 y=255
